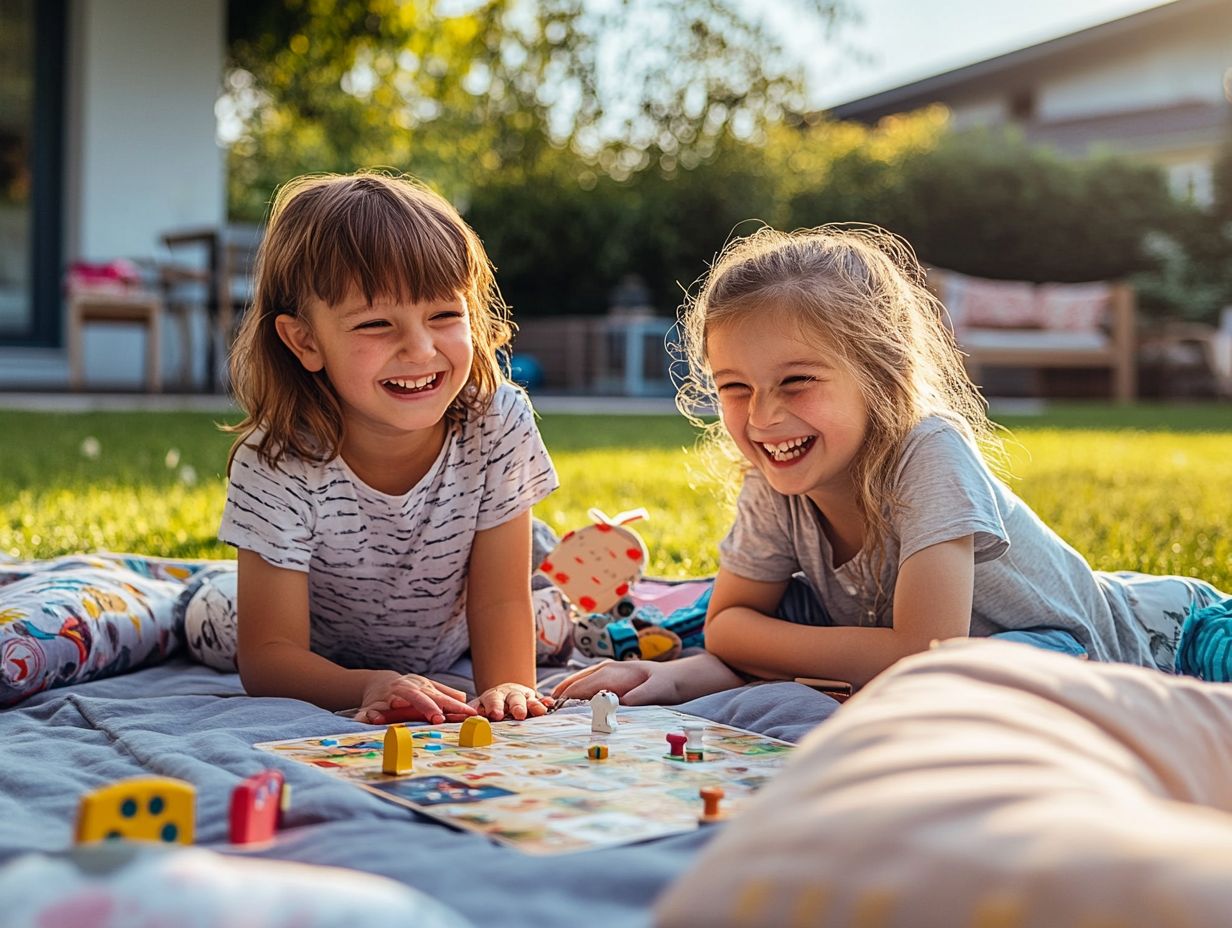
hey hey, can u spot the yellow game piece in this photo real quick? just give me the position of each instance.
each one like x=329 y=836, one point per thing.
x=140 y=809
x=476 y=732
x=399 y=751
x=597 y=752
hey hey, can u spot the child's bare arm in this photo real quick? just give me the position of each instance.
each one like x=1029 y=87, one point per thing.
x=932 y=600
x=501 y=620
x=641 y=683
x=275 y=660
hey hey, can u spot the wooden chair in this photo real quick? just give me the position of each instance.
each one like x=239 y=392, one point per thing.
x=219 y=263
x=138 y=307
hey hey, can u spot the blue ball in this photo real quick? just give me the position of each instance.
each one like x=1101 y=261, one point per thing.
x=524 y=369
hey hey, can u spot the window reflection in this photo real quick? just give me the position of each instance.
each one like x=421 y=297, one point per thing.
x=16 y=128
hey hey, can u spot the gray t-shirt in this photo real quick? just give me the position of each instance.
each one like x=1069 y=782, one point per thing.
x=1025 y=575
x=387 y=574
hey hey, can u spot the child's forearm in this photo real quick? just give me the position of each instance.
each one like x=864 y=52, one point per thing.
x=700 y=675
x=288 y=670
x=777 y=649
x=502 y=647
x=494 y=666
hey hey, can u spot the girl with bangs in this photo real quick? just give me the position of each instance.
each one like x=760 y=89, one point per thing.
x=381 y=484
x=868 y=517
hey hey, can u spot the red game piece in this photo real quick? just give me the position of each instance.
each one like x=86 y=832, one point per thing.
x=255 y=805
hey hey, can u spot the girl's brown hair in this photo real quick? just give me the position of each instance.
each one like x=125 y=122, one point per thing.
x=389 y=237
x=859 y=294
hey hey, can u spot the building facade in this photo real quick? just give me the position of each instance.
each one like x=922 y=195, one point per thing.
x=1156 y=85
x=107 y=140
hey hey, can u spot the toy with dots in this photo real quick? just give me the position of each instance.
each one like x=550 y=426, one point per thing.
x=595 y=568
x=139 y=809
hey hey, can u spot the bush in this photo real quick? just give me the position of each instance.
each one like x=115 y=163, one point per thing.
x=993 y=206
x=563 y=238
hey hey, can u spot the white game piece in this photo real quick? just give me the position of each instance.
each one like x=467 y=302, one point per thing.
x=603 y=712
x=693 y=739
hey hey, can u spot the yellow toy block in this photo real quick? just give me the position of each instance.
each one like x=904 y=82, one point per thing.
x=476 y=732
x=597 y=752
x=140 y=809
x=399 y=751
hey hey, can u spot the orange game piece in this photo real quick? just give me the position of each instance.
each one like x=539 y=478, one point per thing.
x=711 y=795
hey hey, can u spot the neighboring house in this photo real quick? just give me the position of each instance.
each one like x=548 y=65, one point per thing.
x=1155 y=85
x=107 y=140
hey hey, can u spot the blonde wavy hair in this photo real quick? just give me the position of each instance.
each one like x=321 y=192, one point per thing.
x=858 y=293
x=387 y=236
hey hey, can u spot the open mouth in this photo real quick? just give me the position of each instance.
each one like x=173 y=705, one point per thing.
x=784 y=452
x=409 y=386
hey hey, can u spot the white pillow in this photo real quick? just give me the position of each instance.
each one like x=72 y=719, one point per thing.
x=987 y=783
x=138 y=884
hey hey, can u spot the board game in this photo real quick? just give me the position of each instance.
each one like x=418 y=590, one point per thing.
x=534 y=788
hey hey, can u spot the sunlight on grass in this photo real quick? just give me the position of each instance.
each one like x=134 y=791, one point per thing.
x=1150 y=493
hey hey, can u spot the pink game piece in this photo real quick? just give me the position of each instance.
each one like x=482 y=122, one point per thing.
x=677 y=742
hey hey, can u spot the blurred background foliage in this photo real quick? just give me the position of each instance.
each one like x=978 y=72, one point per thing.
x=581 y=157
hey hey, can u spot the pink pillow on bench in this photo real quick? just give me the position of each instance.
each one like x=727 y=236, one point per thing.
x=1073 y=307
x=976 y=303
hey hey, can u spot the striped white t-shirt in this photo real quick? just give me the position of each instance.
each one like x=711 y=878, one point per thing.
x=387 y=574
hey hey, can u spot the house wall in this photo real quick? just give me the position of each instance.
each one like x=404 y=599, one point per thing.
x=140 y=159
x=146 y=74
x=1181 y=66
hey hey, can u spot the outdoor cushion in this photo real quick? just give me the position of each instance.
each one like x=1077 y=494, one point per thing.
x=1055 y=340
x=974 y=302
x=83 y=617
x=988 y=783
x=1073 y=307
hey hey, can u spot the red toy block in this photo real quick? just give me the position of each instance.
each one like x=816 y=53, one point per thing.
x=255 y=807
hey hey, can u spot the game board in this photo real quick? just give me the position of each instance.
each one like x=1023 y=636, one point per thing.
x=535 y=788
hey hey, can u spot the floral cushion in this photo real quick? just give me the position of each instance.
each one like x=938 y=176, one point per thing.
x=83 y=617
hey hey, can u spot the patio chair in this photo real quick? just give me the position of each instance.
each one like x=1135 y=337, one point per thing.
x=212 y=267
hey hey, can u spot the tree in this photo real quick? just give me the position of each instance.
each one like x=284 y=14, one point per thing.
x=447 y=89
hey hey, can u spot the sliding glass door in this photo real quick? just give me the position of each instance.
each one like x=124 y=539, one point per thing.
x=31 y=127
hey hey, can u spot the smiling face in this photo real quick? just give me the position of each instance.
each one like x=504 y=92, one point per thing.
x=395 y=366
x=796 y=414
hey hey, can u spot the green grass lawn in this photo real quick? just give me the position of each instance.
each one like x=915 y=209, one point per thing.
x=1147 y=488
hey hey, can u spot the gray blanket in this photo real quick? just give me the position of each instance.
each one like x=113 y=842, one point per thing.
x=186 y=721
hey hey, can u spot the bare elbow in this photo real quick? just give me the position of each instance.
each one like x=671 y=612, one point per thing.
x=718 y=641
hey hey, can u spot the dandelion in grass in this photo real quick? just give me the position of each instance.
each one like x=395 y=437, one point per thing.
x=172 y=460
x=188 y=475
x=90 y=447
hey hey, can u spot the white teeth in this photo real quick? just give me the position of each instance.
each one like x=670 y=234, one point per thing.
x=787 y=450
x=417 y=383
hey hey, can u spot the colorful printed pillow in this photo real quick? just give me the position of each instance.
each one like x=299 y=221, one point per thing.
x=83 y=617
x=1073 y=307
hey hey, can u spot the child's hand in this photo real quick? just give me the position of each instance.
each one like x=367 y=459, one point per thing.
x=412 y=698
x=637 y=683
x=512 y=699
